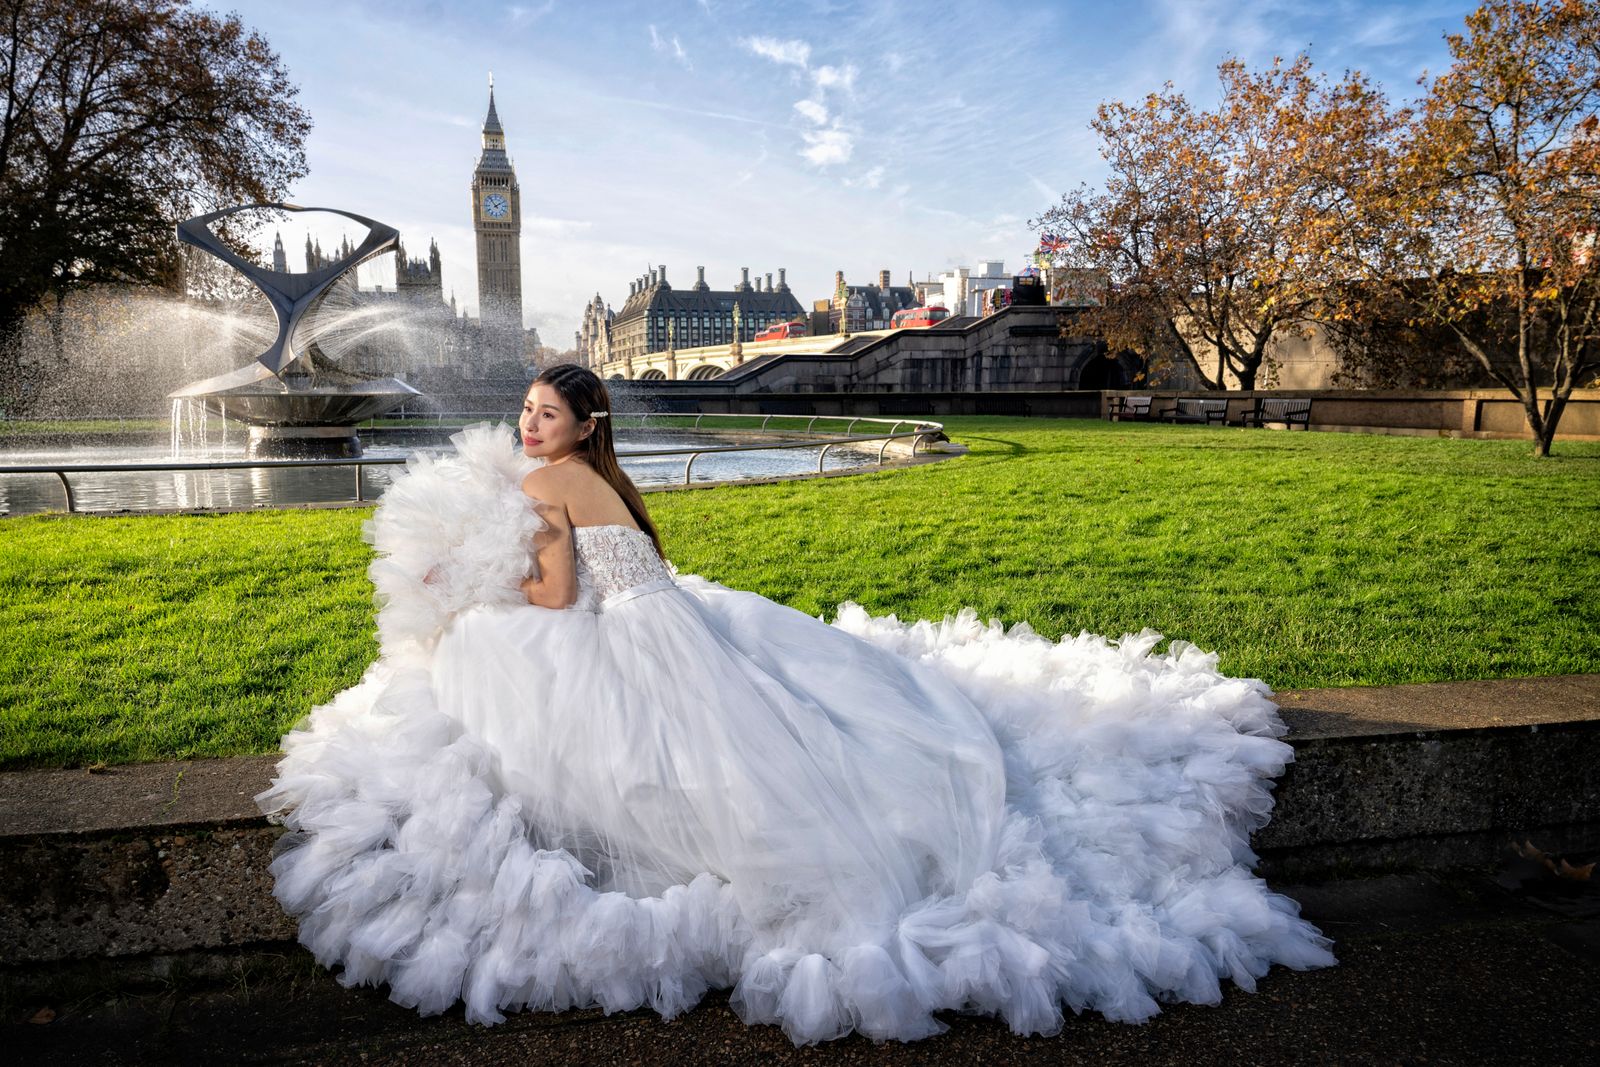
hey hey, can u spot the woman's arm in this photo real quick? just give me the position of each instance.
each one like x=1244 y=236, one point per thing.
x=556 y=585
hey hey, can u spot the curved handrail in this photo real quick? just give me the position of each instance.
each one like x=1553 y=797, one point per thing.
x=920 y=432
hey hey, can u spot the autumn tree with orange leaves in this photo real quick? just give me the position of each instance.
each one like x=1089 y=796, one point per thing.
x=1492 y=202
x=1222 y=229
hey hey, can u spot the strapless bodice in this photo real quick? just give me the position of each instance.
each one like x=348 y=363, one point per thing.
x=614 y=559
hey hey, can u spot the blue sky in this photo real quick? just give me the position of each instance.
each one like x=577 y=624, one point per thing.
x=815 y=136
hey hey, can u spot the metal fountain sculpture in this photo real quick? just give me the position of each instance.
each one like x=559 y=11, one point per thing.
x=294 y=398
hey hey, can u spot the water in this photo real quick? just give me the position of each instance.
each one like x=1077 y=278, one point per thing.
x=139 y=491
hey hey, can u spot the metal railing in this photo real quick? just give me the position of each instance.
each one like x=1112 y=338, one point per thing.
x=920 y=431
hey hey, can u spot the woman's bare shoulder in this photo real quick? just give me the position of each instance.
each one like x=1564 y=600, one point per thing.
x=564 y=483
x=551 y=489
x=582 y=492
x=544 y=483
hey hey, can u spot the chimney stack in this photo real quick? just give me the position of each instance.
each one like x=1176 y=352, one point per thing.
x=652 y=277
x=664 y=284
x=769 y=281
x=883 y=280
x=633 y=287
x=758 y=283
x=783 y=281
x=700 y=282
x=744 y=279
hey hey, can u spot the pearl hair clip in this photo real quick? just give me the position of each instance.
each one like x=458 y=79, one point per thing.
x=598 y=414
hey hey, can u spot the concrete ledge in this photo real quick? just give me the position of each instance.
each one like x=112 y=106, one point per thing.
x=168 y=857
x=1490 y=414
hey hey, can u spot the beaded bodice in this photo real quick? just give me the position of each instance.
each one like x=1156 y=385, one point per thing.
x=613 y=559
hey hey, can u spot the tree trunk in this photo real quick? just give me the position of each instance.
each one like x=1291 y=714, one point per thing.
x=1547 y=425
x=1539 y=427
x=12 y=317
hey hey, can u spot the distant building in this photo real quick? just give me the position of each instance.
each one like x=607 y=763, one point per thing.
x=316 y=259
x=497 y=221
x=420 y=279
x=657 y=316
x=423 y=335
x=961 y=290
x=865 y=307
x=594 y=335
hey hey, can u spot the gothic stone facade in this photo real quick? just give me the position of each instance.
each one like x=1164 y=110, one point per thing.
x=497 y=221
x=657 y=317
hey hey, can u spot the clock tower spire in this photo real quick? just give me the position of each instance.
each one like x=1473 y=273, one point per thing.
x=497 y=221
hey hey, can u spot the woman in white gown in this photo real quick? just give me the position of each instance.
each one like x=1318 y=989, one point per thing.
x=610 y=784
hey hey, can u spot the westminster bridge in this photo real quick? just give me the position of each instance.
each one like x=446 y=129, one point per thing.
x=1016 y=348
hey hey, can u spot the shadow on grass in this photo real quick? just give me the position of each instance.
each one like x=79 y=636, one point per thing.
x=1014 y=448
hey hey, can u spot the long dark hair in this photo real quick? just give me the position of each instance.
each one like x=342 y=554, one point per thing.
x=584 y=393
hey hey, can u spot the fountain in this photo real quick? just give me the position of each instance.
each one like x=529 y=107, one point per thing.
x=295 y=400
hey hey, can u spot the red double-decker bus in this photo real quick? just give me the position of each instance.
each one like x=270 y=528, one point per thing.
x=913 y=317
x=780 y=330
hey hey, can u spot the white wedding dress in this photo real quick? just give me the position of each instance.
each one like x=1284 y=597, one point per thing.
x=674 y=786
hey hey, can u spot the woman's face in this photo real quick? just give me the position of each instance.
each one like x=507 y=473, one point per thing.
x=549 y=428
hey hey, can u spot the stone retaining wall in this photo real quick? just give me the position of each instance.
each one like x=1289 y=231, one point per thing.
x=1480 y=413
x=153 y=858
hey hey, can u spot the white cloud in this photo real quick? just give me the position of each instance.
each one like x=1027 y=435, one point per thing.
x=1050 y=194
x=523 y=14
x=824 y=148
x=790 y=53
x=670 y=46
x=813 y=110
x=842 y=78
x=872 y=179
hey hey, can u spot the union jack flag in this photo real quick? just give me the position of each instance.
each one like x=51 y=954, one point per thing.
x=1049 y=242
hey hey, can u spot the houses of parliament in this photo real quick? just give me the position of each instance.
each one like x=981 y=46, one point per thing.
x=431 y=337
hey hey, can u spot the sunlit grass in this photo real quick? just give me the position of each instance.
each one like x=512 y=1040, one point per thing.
x=1305 y=559
x=34 y=427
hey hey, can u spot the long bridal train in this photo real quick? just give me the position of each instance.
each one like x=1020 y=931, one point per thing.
x=675 y=786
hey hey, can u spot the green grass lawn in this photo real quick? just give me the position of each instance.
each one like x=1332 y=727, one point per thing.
x=1306 y=559
x=28 y=428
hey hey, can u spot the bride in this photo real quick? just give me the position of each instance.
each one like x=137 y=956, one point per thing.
x=575 y=777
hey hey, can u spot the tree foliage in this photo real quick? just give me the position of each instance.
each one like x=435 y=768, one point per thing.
x=121 y=118
x=1492 y=201
x=1221 y=229
x=1466 y=227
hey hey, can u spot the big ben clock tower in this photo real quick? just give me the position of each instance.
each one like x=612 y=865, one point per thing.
x=497 y=219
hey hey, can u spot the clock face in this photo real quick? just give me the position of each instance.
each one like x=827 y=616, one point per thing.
x=495 y=206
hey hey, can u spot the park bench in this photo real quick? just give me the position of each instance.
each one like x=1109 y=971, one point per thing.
x=1128 y=408
x=1195 y=409
x=1291 y=412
